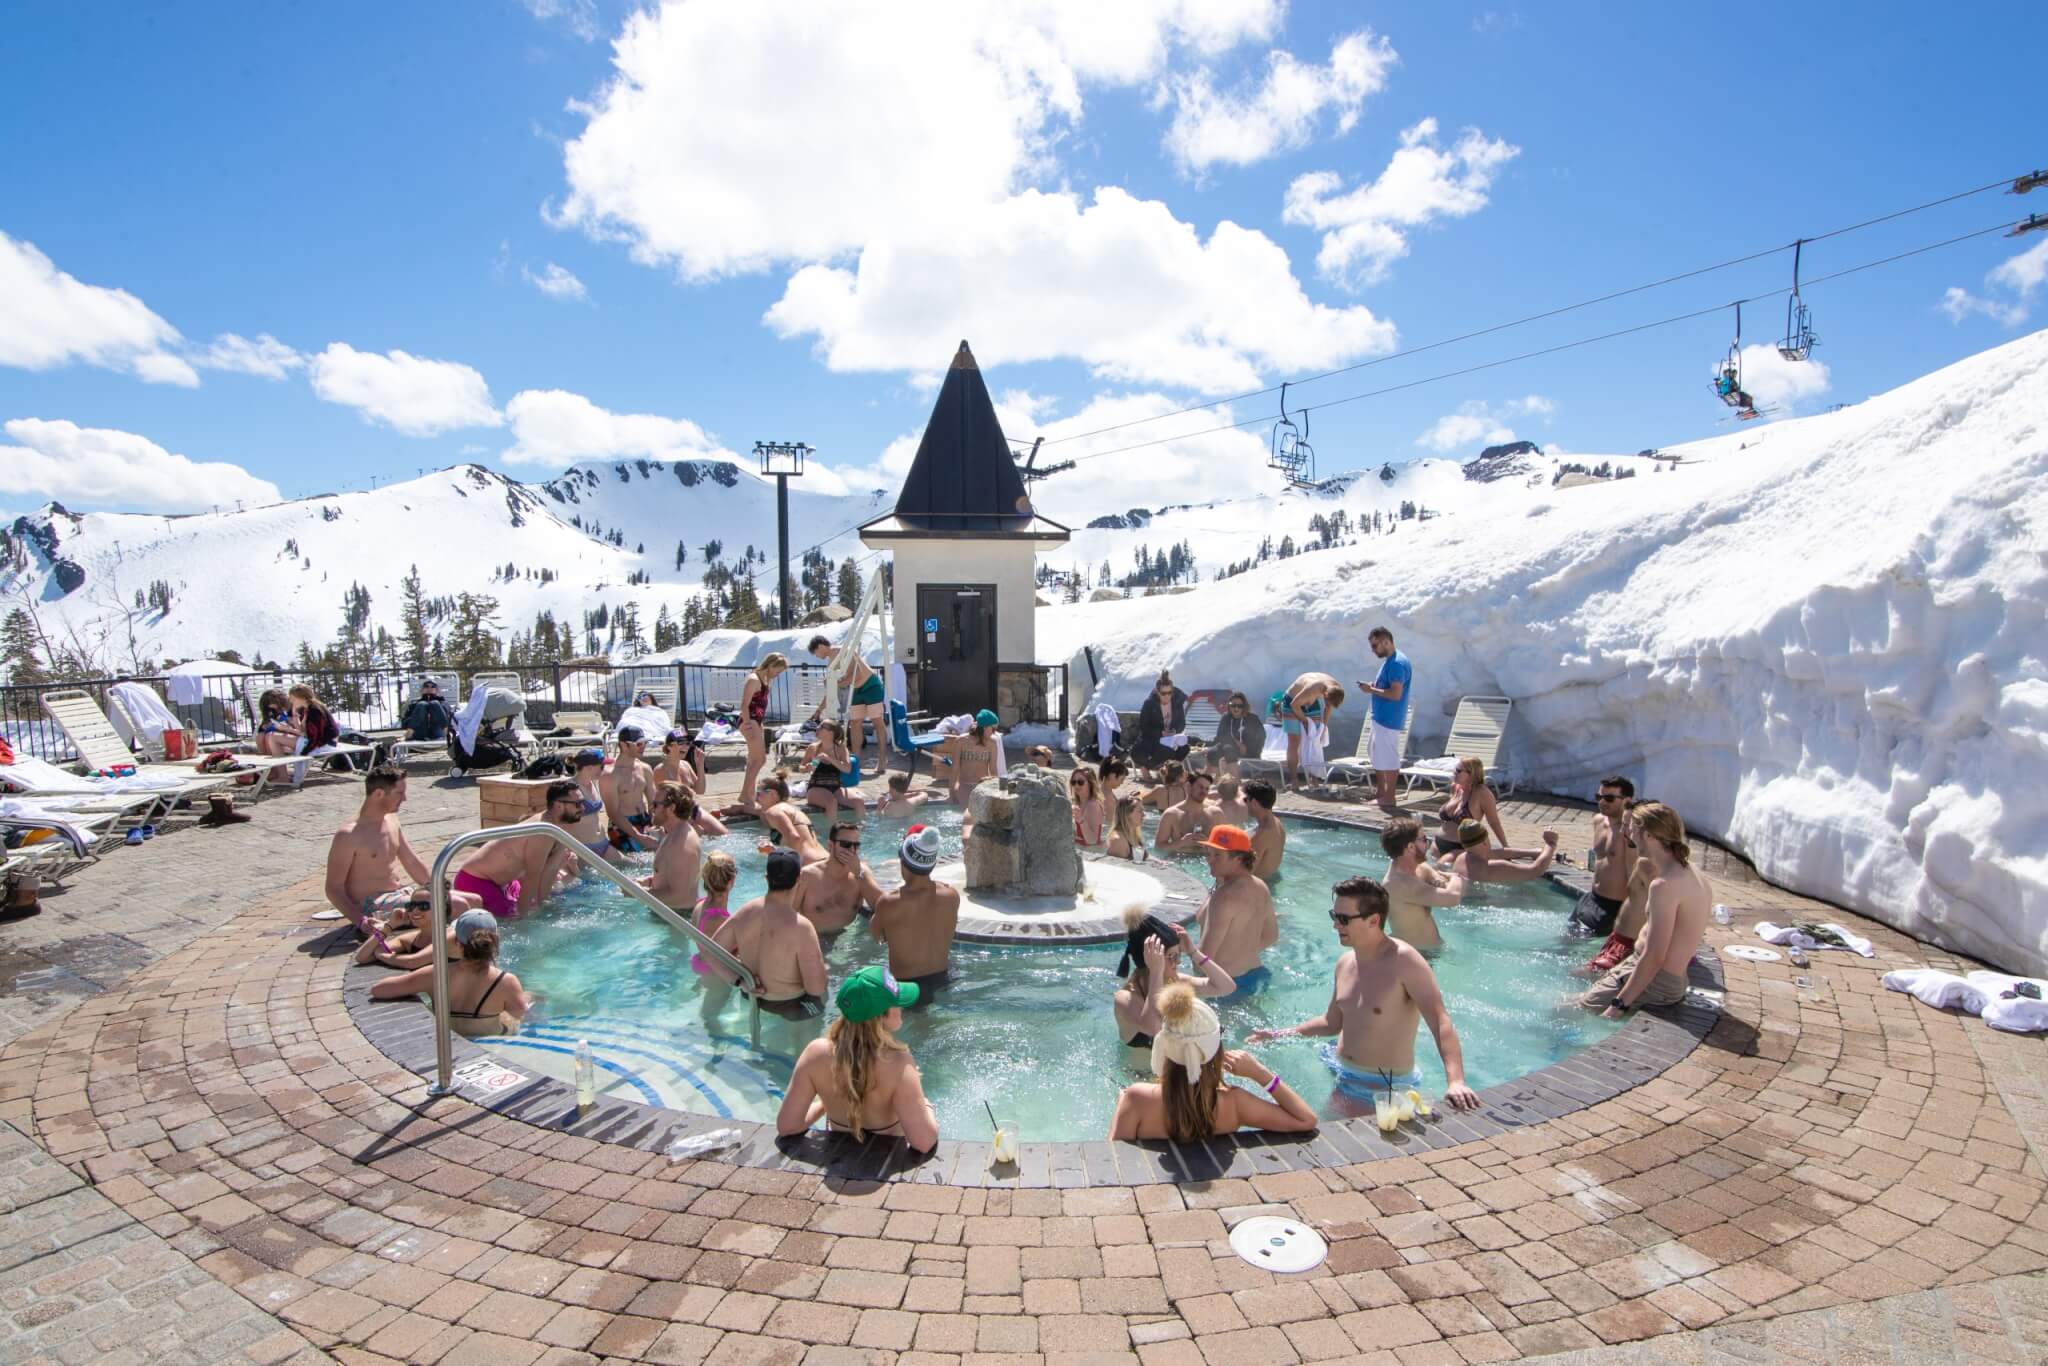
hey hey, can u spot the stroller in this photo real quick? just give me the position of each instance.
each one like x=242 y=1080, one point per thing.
x=499 y=737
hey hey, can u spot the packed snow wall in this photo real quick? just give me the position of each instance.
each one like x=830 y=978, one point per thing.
x=1823 y=642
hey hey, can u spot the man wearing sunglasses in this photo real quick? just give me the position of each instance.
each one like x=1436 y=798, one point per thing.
x=1614 y=858
x=832 y=893
x=1384 y=989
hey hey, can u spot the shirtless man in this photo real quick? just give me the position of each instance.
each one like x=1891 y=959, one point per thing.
x=788 y=825
x=1680 y=901
x=866 y=703
x=1614 y=859
x=1227 y=805
x=1635 y=907
x=369 y=853
x=916 y=921
x=1413 y=886
x=777 y=945
x=680 y=853
x=1269 y=836
x=1172 y=789
x=629 y=791
x=1184 y=824
x=1383 y=989
x=831 y=893
x=1313 y=697
x=899 y=800
x=973 y=755
x=589 y=828
x=1479 y=861
x=511 y=876
x=1237 y=921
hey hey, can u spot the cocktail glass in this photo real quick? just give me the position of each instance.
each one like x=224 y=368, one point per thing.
x=1005 y=1141
x=1385 y=1113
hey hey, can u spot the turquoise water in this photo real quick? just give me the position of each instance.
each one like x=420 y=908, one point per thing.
x=1026 y=1031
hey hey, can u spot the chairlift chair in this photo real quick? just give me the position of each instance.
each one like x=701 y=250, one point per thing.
x=1728 y=376
x=1799 y=339
x=1292 y=455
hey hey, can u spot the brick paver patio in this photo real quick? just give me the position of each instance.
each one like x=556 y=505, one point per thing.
x=223 y=1167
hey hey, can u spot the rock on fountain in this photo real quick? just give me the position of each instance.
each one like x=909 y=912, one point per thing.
x=1022 y=843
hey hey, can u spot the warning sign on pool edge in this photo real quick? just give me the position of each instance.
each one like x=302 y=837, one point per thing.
x=484 y=1075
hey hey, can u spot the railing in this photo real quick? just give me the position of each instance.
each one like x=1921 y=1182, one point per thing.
x=444 y=1045
x=1032 y=694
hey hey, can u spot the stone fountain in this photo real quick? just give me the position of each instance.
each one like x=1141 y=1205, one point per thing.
x=1023 y=880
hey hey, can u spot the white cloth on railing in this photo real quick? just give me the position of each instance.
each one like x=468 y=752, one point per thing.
x=187 y=690
x=28 y=816
x=1107 y=728
x=146 y=709
x=40 y=777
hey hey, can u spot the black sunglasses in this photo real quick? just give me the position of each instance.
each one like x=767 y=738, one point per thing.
x=1610 y=796
x=2019 y=989
x=1338 y=917
x=846 y=844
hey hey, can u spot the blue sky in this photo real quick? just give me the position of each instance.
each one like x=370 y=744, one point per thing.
x=783 y=226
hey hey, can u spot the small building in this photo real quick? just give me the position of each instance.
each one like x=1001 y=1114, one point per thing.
x=965 y=543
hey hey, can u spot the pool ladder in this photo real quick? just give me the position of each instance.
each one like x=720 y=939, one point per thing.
x=444 y=1047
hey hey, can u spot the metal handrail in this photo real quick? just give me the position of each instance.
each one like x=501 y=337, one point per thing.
x=444 y=1047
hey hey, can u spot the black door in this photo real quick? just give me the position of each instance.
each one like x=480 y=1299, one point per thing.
x=956 y=647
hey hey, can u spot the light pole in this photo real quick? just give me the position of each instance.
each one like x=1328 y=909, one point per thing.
x=785 y=461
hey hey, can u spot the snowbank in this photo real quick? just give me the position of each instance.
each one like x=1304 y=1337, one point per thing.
x=1827 y=649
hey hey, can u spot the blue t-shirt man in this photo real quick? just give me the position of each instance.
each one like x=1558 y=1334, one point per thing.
x=1393 y=669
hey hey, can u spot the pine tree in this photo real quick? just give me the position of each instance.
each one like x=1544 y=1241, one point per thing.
x=849 y=584
x=412 y=616
x=665 y=636
x=471 y=644
x=18 y=650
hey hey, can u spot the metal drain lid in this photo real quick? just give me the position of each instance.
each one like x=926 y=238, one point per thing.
x=1278 y=1244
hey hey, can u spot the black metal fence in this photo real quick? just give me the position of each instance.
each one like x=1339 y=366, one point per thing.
x=221 y=707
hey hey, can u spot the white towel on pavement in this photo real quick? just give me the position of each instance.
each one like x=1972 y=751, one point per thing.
x=1942 y=990
x=2020 y=1015
x=1794 y=937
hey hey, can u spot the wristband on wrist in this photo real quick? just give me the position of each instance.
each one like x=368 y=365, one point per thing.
x=1272 y=1083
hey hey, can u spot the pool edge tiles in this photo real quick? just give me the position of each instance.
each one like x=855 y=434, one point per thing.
x=1650 y=1044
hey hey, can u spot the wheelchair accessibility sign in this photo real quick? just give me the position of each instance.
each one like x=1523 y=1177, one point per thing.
x=931 y=623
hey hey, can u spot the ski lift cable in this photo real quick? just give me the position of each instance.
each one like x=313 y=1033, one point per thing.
x=2004 y=182
x=1552 y=350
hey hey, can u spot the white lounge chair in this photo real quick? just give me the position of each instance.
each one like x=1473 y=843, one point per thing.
x=586 y=731
x=100 y=748
x=1357 y=768
x=253 y=688
x=152 y=749
x=70 y=841
x=1478 y=731
x=398 y=746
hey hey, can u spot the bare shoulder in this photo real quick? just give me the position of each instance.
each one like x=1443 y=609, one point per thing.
x=949 y=895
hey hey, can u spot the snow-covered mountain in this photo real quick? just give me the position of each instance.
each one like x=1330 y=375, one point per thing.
x=1825 y=641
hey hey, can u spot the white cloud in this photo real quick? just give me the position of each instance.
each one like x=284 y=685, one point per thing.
x=578 y=16
x=557 y=428
x=1119 y=283
x=1239 y=127
x=410 y=394
x=1776 y=382
x=1482 y=424
x=557 y=282
x=2018 y=275
x=1365 y=230
x=48 y=319
x=265 y=356
x=98 y=466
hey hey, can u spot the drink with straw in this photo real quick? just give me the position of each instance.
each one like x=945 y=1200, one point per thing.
x=1384 y=1112
x=1005 y=1145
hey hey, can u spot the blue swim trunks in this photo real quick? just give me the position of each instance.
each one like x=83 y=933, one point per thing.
x=1359 y=1082
x=1277 y=706
x=1249 y=984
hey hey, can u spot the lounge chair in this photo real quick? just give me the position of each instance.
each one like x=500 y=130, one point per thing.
x=400 y=747
x=1357 y=768
x=101 y=749
x=1477 y=732
x=68 y=842
x=586 y=731
x=253 y=688
x=152 y=749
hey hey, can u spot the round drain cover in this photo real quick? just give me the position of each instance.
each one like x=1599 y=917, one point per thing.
x=1278 y=1244
x=1755 y=953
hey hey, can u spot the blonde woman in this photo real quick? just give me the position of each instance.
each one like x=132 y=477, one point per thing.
x=1151 y=963
x=483 y=998
x=1471 y=800
x=859 y=1078
x=1086 y=791
x=1187 y=1100
x=1127 y=833
x=831 y=765
x=754 y=721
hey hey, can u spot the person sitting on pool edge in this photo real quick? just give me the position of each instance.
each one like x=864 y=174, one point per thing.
x=1269 y=836
x=370 y=851
x=900 y=800
x=777 y=945
x=972 y=755
x=1187 y=1101
x=1680 y=901
x=513 y=876
x=1413 y=886
x=1237 y=921
x=481 y=1002
x=1151 y=963
x=860 y=1078
x=916 y=920
x=832 y=893
x=832 y=765
x=1383 y=989
x=1614 y=860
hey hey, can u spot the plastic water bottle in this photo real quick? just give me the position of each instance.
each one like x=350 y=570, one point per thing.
x=586 y=1076
x=1720 y=914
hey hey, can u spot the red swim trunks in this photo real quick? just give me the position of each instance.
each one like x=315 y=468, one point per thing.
x=1612 y=953
x=502 y=902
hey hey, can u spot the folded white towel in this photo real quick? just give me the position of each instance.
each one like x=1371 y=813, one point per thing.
x=1174 y=741
x=1799 y=939
x=1942 y=990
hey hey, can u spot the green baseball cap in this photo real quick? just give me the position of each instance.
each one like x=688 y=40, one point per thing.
x=870 y=993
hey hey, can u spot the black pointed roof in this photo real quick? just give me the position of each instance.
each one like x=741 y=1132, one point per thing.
x=964 y=477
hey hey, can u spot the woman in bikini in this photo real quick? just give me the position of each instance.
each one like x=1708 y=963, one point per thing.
x=1152 y=950
x=1127 y=834
x=682 y=762
x=1088 y=815
x=867 y=704
x=753 y=722
x=1471 y=800
x=589 y=827
x=860 y=1078
x=1187 y=1101
x=483 y=998
x=831 y=765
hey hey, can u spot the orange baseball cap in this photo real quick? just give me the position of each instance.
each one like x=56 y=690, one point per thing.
x=1231 y=839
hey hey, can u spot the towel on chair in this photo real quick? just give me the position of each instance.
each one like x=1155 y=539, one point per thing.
x=24 y=816
x=1107 y=727
x=146 y=709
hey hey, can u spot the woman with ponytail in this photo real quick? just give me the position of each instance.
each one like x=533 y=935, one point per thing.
x=483 y=998
x=1188 y=1102
x=859 y=1078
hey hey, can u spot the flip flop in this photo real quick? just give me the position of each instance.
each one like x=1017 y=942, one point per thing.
x=149 y=832
x=134 y=836
x=327 y=915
